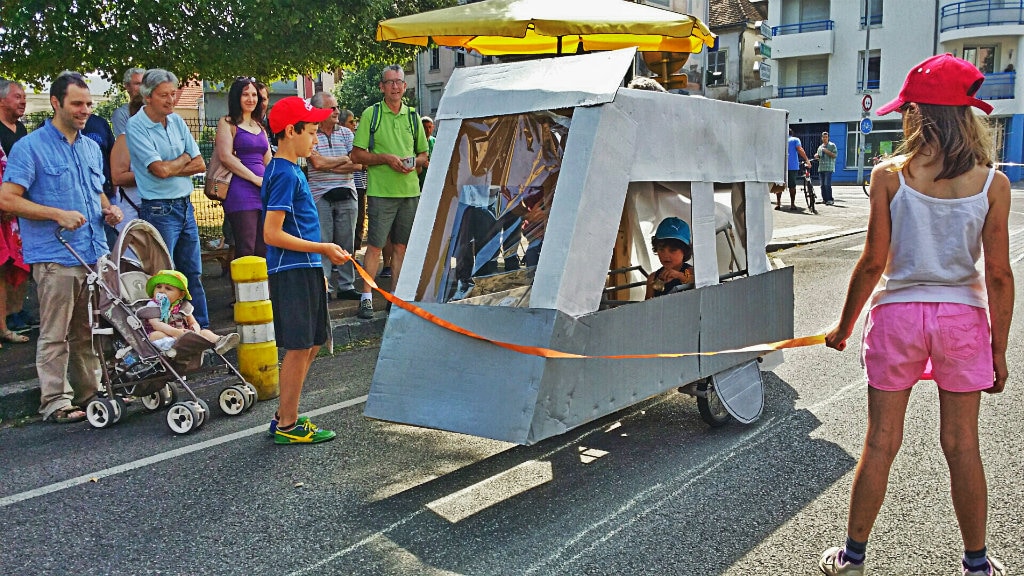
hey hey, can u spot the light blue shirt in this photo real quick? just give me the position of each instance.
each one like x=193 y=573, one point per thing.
x=57 y=173
x=150 y=142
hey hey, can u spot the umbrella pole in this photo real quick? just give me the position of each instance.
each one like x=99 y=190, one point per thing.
x=559 y=46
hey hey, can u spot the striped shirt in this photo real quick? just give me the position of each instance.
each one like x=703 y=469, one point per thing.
x=338 y=143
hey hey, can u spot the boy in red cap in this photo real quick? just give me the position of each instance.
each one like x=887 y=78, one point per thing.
x=298 y=291
x=935 y=208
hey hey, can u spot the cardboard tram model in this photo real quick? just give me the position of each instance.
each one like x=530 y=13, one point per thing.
x=546 y=183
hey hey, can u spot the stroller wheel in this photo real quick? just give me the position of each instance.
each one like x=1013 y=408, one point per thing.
x=253 y=395
x=121 y=407
x=100 y=412
x=182 y=417
x=168 y=395
x=153 y=402
x=204 y=411
x=233 y=400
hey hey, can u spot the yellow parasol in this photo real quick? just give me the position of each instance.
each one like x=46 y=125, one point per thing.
x=497 y=27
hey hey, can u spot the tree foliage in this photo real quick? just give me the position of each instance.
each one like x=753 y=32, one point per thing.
x=210 y=39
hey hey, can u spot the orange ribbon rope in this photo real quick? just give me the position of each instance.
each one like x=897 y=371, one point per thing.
x=549 y=353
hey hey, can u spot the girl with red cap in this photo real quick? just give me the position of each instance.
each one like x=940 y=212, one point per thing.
x=936 y=207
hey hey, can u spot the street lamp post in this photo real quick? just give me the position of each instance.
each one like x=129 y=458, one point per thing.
x=864 y=79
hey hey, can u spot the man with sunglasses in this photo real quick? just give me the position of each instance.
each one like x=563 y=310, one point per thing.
x=334 y=190
x=393 y=145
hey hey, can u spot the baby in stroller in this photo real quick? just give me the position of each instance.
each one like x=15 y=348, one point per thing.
x=168 y=314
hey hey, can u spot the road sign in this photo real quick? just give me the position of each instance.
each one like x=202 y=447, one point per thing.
x=763 y=49
x=865 y=126
x=765 y=69
x=766 y=30
x=865 y=102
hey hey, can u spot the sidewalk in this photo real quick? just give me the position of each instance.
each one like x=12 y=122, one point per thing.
x=848 y=216
x=19 y=395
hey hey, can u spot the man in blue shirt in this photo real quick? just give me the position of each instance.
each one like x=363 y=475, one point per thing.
x=55 y=178
x=794 y=154
x=164 y=156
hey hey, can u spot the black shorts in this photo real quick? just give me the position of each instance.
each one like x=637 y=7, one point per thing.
x=792 y=175
x=299 y=300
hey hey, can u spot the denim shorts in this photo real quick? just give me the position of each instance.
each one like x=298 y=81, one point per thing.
x=909 y=341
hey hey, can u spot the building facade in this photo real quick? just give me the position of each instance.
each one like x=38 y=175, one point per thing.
x=827 y=55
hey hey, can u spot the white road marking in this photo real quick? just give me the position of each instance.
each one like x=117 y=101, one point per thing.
x=150 y=460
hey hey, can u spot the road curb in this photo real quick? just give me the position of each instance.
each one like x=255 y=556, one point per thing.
x=21 y=399
x=787 y=244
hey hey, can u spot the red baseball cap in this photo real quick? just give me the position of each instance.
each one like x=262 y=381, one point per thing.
x=292 y=110
x=943 y=80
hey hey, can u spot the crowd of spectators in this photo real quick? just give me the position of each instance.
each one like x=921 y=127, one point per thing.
x=140 y=165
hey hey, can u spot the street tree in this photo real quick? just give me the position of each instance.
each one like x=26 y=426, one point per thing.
x=210 y=39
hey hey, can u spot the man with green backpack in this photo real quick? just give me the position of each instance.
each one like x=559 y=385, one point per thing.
x=391 y=142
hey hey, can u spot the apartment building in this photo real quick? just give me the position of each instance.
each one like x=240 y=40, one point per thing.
x=819 y=49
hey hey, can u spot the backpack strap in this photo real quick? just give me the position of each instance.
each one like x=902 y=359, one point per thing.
x=374 y=124
x=413 y=120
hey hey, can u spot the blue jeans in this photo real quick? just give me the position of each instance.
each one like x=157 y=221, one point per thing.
x=176 y=222
x=826 y=186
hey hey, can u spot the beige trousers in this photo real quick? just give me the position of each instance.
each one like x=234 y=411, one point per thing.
x=69 y=370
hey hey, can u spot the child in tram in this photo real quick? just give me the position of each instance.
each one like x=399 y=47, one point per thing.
x=671 y=242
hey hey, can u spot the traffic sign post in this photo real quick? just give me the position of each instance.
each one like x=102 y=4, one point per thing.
x=865 y=126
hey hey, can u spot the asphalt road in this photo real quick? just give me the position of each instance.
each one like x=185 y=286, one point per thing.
x=650 y=490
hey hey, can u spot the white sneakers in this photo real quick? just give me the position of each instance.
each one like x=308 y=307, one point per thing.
x=831 y=565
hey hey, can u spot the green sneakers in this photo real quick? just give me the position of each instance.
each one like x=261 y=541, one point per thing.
x=303 y=433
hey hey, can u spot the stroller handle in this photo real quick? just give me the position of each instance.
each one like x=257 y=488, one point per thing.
x=60 y=238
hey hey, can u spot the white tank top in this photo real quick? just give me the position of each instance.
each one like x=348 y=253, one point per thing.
x=934 y=249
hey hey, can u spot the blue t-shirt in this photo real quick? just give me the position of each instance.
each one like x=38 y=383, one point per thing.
x=285 y=189
x=792 y=156
x=63 y=175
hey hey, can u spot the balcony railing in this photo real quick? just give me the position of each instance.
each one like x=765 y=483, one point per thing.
x=973 y=13
x=799 y=91
x=997 y=86
x=800 y=27
x=876 y=19
x=872 y=84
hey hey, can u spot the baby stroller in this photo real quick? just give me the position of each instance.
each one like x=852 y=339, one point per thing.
x=132 y=367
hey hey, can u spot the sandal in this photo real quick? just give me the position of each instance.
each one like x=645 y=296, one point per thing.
x=13 y=337
x=67 y=415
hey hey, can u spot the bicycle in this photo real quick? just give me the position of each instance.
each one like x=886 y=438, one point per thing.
x=809 y=187
x=866 y=184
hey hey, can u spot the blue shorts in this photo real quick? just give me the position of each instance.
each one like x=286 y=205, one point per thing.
x=299 y=300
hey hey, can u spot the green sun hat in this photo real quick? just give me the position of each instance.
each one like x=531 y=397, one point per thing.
x=171 y=278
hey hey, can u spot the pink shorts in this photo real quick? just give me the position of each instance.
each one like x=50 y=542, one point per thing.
x=909 y=341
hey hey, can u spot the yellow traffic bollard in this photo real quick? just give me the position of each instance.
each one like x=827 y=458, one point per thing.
x=257 y=350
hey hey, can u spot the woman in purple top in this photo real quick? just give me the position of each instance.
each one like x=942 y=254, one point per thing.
x=243 y=148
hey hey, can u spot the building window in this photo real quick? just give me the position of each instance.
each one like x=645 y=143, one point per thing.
x=435 y=58
x=435 y=99
x=984 y=57
x=875 y=7
x=874 y=65
x=884 y=139
x=716 y=68
x=665 y=3
x=460 y=58
x=487 y=60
